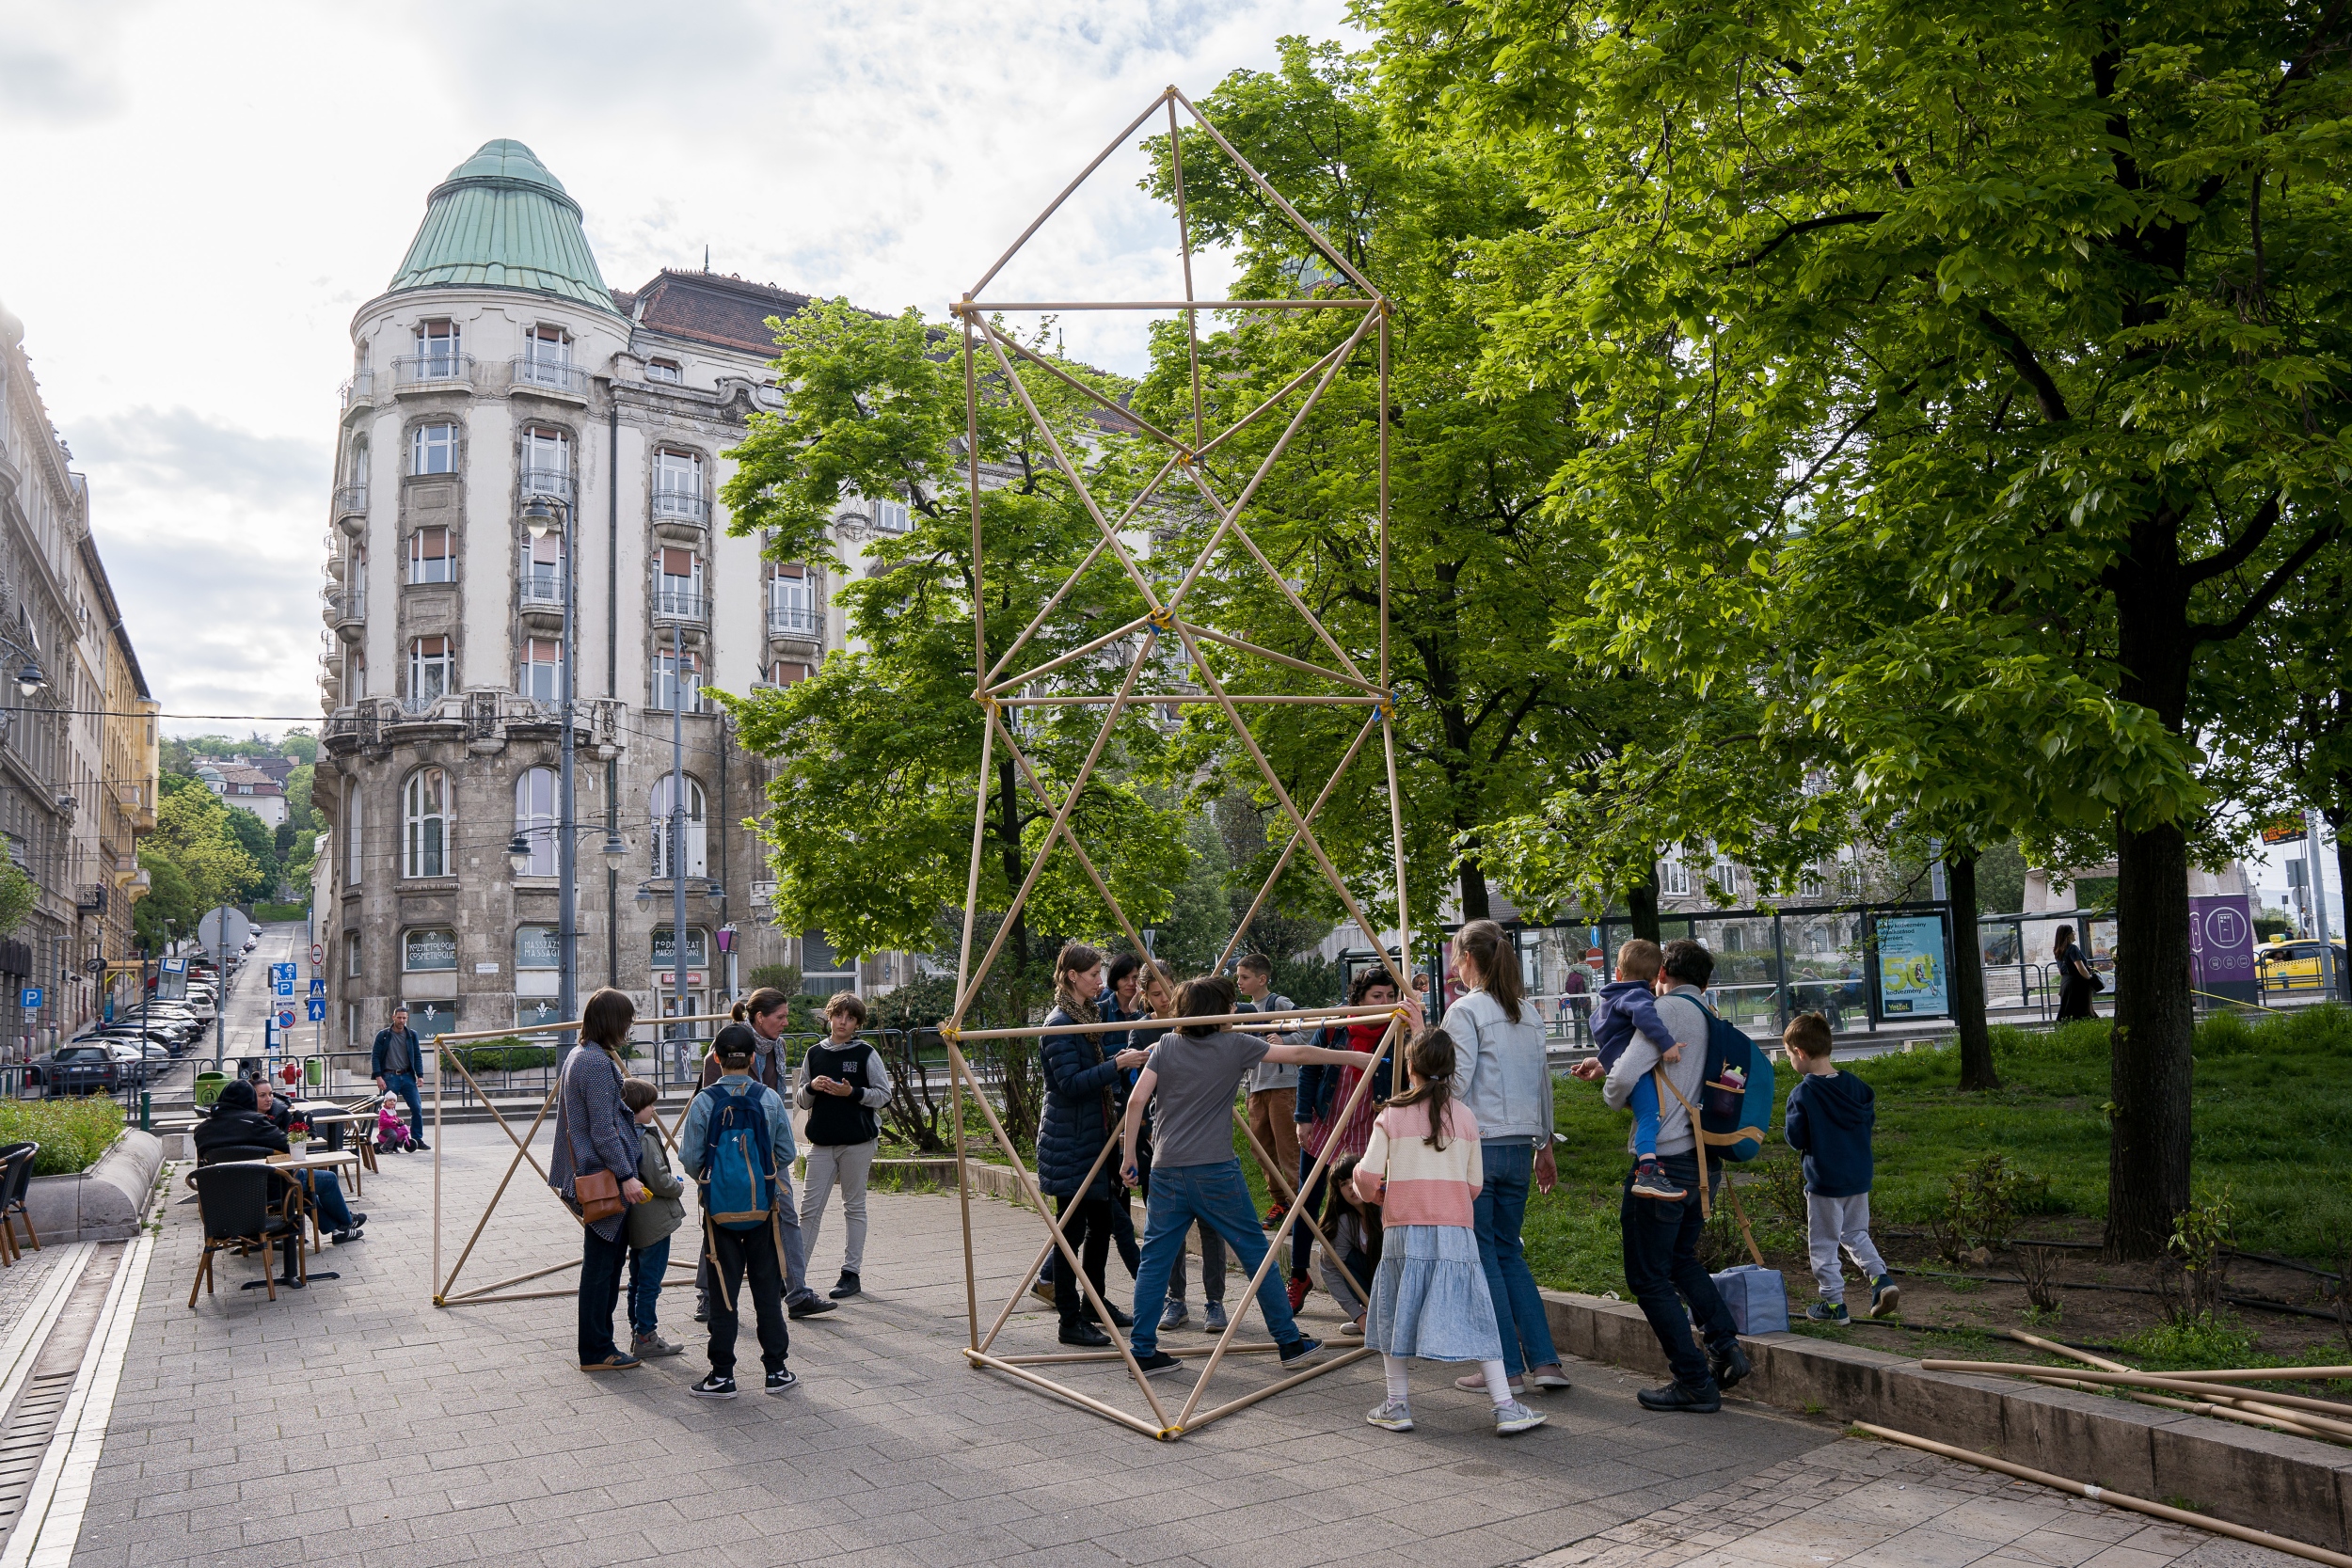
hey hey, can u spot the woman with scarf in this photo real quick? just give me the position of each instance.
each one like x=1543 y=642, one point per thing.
x=1083 y=1074
x=1324 y=1118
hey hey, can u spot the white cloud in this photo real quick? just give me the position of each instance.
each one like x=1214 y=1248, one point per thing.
x=211 y=202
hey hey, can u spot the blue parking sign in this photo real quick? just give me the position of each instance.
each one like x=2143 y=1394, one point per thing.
x=31 y=997
x=318 y=1009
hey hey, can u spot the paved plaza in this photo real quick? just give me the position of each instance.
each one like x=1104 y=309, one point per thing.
x=354 y=1418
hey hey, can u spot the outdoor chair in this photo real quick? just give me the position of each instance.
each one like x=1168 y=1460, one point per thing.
x=234 y=1201
x=16 y=1180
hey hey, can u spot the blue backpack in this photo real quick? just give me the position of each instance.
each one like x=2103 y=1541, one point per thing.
x=740 y=1163
x=1734 y=1109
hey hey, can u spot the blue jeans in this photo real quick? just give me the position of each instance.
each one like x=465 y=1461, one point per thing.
x=1499 y=1212
x=1645 y=1107
x=1216 y=1195
x=405 y=1086
x=1663 y=1272
x=647 y=1268
x=326 y=1195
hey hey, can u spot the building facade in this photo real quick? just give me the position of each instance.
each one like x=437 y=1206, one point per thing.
x=497 y=375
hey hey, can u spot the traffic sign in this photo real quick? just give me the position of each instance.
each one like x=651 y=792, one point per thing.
x=175 y=966
x=318 y=1009
x=285 y=1018
x=318 y=954
x=30 y=998
x=318 y=987
x=281 y=972
x=284 y=988
x=223 y=928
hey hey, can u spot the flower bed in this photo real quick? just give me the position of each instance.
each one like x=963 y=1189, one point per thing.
x=73 y=1132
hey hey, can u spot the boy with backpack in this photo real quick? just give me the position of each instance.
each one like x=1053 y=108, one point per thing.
x=1829 y=1120
x=738 y=1143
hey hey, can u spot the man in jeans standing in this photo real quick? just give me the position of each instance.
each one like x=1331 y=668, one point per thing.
x=394 y=1063
x=1661 y=1237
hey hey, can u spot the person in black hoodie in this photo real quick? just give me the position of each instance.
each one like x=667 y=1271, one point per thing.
x=1829 y=1120
x=238 y=1123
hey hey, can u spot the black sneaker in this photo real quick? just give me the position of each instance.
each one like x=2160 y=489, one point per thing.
x=1157 y=1362
x=1298 y=1350
x=718 y=1385
x=422 y=1146
x=356 y=1221
x=1674 y=1395
x=1077 y=1330
x=846 y=1287
x=702 y=1307
x=344 y=1238
x=782 y=1381
x=808 y=1303
x=1729 y=1364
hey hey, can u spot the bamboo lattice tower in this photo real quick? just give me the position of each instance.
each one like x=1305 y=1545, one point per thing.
x=1348 y=688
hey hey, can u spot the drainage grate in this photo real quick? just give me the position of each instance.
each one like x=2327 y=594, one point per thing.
x=24 y=1439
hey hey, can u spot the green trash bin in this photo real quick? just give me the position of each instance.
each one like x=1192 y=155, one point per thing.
x=208 y=1088
x=314 y=1071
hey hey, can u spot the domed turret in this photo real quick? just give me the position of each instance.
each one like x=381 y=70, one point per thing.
x=501 y=221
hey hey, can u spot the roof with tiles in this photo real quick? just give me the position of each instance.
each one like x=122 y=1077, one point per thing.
x=501 y=221
x=717 y=309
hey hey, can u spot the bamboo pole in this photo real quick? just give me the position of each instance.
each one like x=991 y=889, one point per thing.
x=1272 y=1021
x=1113 y=405
x=2116 y=1499
x=2162 y=1382
x=963 y=1203
x=1331 y=251
x=1054 y=206
x=1183 y=246
x=1020 y=306
x=1149 y=699
x=1053 y=1224
x=1363 y=1291
x=1072 y=581
x=1371 y=690
x=1283 y=861
x=512 y=1166
x=1014 y=683
x=519 y=1279
x=2068 y=1351
x=2301 y=1426
x=1384 y=493
x=1298 y=606
x=1046 y=1384
x=1070 y=836
x=1266 y=408
x=1344 y=1359
x=1253 y=1348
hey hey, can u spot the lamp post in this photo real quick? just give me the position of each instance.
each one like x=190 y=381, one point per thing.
x=542 y=516
x=727 y=949
x=677 y=813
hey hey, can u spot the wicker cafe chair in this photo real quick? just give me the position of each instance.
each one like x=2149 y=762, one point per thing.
x=16 y=1180
x=234 y=1201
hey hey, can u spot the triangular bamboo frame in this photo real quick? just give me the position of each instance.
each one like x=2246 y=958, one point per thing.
x=994 y=689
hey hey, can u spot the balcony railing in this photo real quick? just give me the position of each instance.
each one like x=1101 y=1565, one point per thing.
x=794 y=620
x=344 y=605
x=543 y=590
x=550 y=375
x=426 y=369
x=680 y=506
x=351 y=501
x=679 y=604
x=417 y=707
x=547 y=482
x=359 y=390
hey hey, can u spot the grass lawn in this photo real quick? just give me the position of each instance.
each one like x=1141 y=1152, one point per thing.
x=2273 y=1125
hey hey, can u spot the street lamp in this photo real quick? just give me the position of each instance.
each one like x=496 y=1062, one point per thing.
x=30 y=682
x=543 y=516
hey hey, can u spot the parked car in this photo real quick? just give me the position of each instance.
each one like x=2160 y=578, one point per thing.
x=164 y=1042
x=91 y=1068
x=2294 y=963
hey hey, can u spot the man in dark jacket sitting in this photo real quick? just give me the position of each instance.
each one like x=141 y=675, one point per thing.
x=242 y=1127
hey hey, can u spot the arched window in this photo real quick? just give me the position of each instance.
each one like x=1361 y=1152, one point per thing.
x=698 y=863
x=355 y=471
x=547 y=462
x=425 y=824
x=534 y=819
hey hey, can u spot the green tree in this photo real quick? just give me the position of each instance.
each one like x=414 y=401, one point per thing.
x=2040 y=313
x=193 y=836
x=259 y=844
x=170 y=907
x=18 y=895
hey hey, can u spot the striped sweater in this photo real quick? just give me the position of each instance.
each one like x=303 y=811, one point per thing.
x=1424 y=1185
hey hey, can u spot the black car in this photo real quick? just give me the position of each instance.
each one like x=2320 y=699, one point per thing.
x=90 y=1068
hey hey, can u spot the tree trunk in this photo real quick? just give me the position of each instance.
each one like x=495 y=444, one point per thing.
x=2343 y=880
x=1975 y=1041
x=1641 y=906
x=2148 y=1159
x=1474 y=905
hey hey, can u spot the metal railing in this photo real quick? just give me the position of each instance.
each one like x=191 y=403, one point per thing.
x=359 y=390
x=792 y=619
x=418 y=707
x=680 y=506
x=679 y=604
x=350 y=499
x=546 y=481
x=425 y=370
x=542 y=589
x=552 y=375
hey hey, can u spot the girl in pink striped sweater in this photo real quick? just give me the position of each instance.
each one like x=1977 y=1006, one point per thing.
x=1429 y=1296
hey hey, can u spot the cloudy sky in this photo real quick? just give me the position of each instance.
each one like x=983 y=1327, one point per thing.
x=197 y=198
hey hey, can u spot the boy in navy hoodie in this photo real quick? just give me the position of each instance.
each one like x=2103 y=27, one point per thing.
x=1626 y=1005
x=1829 y=1120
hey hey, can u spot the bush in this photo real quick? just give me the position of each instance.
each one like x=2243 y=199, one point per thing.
x=269 y=913
x=72 y=1133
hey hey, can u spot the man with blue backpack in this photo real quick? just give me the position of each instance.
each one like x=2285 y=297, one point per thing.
x=738 y=1143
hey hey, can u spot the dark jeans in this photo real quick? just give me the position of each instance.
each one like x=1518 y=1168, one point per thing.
x=405 y=1086
x=1498 y=1211
x=647 y=1268
x=795 y=1249
x=1311 y=1200
x=1181 y=1196
x=600 y=1265
x=1087 y=1226
x=326 y=1195
x=747 y=1260
x=1663 y=1272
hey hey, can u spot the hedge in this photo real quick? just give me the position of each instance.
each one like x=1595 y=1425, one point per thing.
x=73 y=1132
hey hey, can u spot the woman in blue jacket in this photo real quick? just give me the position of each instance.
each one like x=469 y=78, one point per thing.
x=1081 y=1083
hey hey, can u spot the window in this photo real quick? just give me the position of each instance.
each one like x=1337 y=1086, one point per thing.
x=543 y=571
x=355 y=860
x=543 y=669
x=432 y=673
x=824 y=971
x=351 y=955
x=355 y=676
x=538 y=948
x=696 y=829
x=546 y=463
x=429 y=557
x=665 y=947
x=534 y=819
x=424 y=825
x=538 y=973
x=890 y=516
x=547 y=353
x=791 y=602
x=439 y=350
x=790 y=672
x=680 y=591
x=431 y=949
x=356 y=471
x=663 y=369
x=1672 y=877
x=672 y=672
x=433 y=450
x=677 y=484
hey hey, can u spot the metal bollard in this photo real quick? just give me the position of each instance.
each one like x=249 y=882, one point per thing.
x=147 y=1111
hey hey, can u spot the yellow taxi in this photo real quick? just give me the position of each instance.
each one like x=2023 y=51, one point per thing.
x=2293 y=964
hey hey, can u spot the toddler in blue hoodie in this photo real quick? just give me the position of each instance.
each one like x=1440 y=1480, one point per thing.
x=1624 y=1005
x=1829 y=1122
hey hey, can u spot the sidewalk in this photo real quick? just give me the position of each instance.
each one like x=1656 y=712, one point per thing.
x=357 y=1417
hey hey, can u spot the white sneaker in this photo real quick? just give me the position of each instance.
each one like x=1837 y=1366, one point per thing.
x=1395 y=1415
x=1515 y=1417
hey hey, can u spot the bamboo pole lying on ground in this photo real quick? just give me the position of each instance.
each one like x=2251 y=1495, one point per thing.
x=2164 y=1383
x=2117 y=1499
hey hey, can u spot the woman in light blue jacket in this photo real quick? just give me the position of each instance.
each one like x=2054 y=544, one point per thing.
x=1504 y=1080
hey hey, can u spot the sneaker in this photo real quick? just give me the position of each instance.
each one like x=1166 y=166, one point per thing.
x=1119 y=1318
x=1212 y=1319
x=1827 y=1313
x=619 y=1361
x=846 y=1287
x=718 y=1385
x=1515 y=1417
x=1674 y=1395
x=810 y=1305
x=1395 y=1415
x=1274 y=1215
x=1173 y=1316
x=653 y=1347
x=1353 y=1329
x=1885 y=1297
x=344 y=1238
x=1476 y=1383
x=1298 y=1350
x=1157 y=1362
x=1044 y=1291
x=356 y=1221
x=422 y=1146
x=702 y=1307
x=1078 y=1332
x=1298 y=1288
x=1729 y=1364
x=1551 y=1379
x=782 y=1381
x=1649 y=1180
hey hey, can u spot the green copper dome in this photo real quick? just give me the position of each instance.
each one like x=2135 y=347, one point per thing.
x=501 y=221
